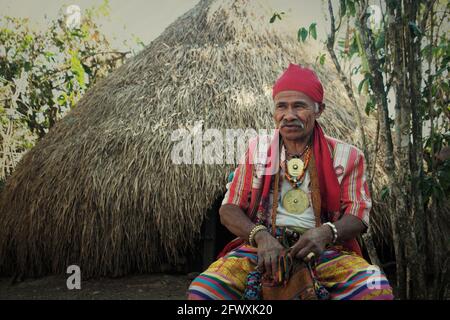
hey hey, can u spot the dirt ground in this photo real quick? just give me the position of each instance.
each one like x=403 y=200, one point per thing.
x=141 y=287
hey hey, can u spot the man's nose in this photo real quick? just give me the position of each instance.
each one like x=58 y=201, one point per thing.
x=290 y=114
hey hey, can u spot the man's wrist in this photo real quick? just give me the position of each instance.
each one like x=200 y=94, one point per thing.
x=255 y=230
x=260 y=236
x=333 y=231
x=329 y=234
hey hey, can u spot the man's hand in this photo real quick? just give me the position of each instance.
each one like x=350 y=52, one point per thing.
x=269 y=251
x=314 y=240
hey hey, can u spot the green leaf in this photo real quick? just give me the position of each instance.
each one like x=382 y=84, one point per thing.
x=77 y=68
x=445 y=87
x=356 y=69
x=27 y=66
x=104 y=9
x=84 y=32
x=426 y=51
x=384 y=192
x=440 y=71
x=341 y=44
x=49 y=54
x=353 y=48
x=343 y=7
x=276 y=16
x=414 y=29
x=28 y=39
x=362 y=54
x=313 y=30
x=351 y=7
x=379 y=42
x=302 y=34
x=322 y=59
x=370 y=105
x=272 y=20
x=361 y=84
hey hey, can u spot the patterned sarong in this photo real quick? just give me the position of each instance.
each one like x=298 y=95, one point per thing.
x=344 y=274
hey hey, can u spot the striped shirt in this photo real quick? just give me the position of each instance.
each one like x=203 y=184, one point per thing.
x=348 y=161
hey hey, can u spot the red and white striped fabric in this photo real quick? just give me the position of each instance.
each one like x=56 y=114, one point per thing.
x=348 y=161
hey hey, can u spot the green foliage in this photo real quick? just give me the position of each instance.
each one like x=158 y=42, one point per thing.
x=312 y=30
x=342 y=7
x=303 y=33
x=351 y=7
x=321 y=59
x=402 y=55
x=49 y=71
x=347 y=8
x=384 y=193
x=370 y=106
x=276 y=16
x=415 y=29
x=45 y=73
x=437 y=178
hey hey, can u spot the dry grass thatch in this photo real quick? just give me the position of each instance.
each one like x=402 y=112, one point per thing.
x=100 y=190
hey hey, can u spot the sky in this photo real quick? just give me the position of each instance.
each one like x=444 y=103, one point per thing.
x=146 y=19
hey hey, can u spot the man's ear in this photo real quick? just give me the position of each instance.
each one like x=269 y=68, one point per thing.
x=321 y=109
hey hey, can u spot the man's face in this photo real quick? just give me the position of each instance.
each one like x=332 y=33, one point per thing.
x=295 y=114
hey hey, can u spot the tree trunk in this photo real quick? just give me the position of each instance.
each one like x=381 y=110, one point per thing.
x=417 y=214
x=367 y=238
x=398 y=206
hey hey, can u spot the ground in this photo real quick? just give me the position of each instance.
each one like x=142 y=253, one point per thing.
x=152 y=286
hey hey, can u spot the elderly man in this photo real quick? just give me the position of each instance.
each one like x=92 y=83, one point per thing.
x=310 y=208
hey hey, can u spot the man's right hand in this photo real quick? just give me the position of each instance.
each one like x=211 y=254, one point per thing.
x=269 y=251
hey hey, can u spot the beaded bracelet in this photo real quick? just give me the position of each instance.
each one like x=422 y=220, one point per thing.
x=333 y=230
x=255 y=230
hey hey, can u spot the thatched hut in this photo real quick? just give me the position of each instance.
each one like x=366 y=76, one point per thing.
x=100 y=189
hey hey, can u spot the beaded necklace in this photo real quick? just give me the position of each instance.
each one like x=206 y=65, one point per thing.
x=296 y=181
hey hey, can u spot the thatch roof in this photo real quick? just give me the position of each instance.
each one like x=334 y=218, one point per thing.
x=99 y=190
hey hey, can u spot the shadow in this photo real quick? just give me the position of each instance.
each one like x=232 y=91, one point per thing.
x=214 y=237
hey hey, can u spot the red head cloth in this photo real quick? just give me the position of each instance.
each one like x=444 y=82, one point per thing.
x=296 y=78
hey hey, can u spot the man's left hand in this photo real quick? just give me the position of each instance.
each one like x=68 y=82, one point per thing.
x=314 y=240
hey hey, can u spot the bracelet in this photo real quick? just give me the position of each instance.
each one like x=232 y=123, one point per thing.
x=255 y=230
x=333 y=230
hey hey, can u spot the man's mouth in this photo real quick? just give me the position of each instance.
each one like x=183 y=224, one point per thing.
x=301 y=126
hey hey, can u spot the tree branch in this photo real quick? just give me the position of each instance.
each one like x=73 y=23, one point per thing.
x=429 y=7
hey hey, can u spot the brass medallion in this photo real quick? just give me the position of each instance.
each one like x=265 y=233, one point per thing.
x=295 y=167
x=295 y=201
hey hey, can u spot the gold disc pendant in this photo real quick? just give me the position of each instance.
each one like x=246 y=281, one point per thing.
x=295 y=201
x=295 y=167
